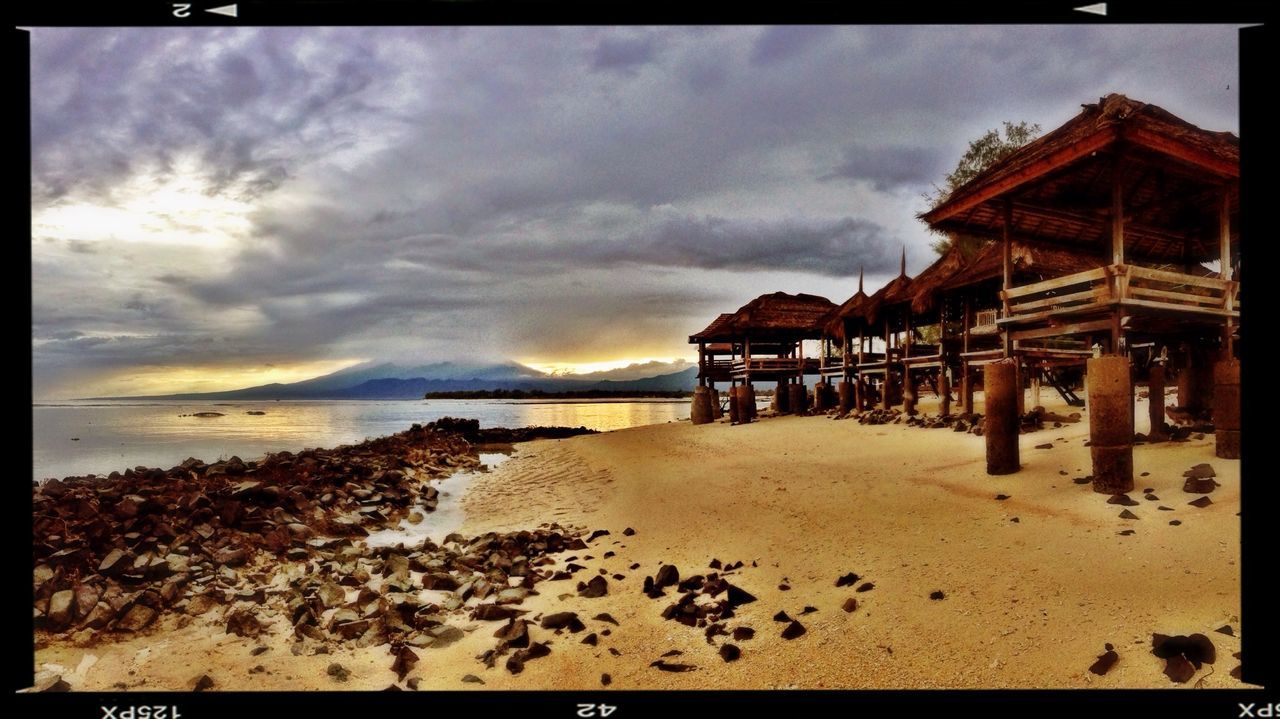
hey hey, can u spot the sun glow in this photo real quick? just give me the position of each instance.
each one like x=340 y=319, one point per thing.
x=562 y=368
x=151 y=380
x=177 y=209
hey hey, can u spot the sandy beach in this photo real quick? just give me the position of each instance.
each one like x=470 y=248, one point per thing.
x=1032 y=586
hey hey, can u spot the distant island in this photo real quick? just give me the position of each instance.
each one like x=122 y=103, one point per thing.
x=569 y=394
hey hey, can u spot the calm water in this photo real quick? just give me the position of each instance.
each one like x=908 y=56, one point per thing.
x=97 y=437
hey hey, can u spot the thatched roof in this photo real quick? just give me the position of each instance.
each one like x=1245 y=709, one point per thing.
x=1059 y=186
x=776 y=315
x=720 y=328
x=925 y=285
x=1043 y=261
x=898 y=290
x=782 y=314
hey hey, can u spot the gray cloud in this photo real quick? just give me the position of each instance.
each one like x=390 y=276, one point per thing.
x=429 y=192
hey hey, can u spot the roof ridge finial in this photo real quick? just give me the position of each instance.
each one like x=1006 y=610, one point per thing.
x=902 y=271
x=860 y=270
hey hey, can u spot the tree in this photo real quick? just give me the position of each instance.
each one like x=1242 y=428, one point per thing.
x=983 y=152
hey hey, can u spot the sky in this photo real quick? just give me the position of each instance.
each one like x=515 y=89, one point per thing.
x=216 y=208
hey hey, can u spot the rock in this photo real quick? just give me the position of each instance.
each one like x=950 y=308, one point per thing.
x=793 y=630
x=784 y=587
x=493 y=612
x=232 y=557
x=242 y=623
x=1046 y=445
x=667 y=576
x=471 y=679
x=628 y=531
x=338 y=672
x=331 y=595
x=1163 y=508
x=866 y=587
x=1126 y=514
x=598 y=533
x=1151 y=497
x=404 y=662
x=595 y=588
x=202 y=683
x=605 y=679
x=936 y=595
x=562 y=620
x=99 y=616
x=781 y=616
x=136 y=619
x=515 y=633
x=445 y=635
x=847 y=580
x=1175 y=523
x=61 y=609
x=591 y=639
x=667 y=667
x=606 y=617
x=1126 y=533
x=1202 y=650
x=1201 y=503
x=1195 y=485
x=736 y=596
x=850 y=604
x=258 y=650
x=1002 y=497
x=116 y=561
x=808 y=610
x=1226 y=629
x=1104 y=663
x=1200 y=471
x=730 y=653
x=1123 y=500
x=672 y=653
x=1179 y=669
x=741 y=634
x=1082 y=480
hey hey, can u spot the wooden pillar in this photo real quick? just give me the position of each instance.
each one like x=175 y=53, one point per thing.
x=1224 y=248
x=944 y=392
x=1006 y=239
x=1117 y=250
x=1111 y=423
x=700 y=411
x=1035 y=386
x=716 y=410
x=1001 y=420
x=908 y=386
x=966 y=380
x=702 y=363
x=735 y=415
x=1155 y=403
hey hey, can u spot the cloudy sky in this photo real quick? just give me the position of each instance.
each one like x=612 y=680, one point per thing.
x=221 y=207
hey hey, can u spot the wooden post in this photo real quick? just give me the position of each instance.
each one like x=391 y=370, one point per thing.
x=1226 y=409
x=1006 y=239
x=1224 y=240
x=908 y=386
x=702 y=363
x=700 y=411
x=966 y=382
x=1117 y=250
x=1155 y=403
x=1035 y=386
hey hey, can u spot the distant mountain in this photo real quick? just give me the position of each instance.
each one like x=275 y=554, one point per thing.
x=390 y=381
x=637 y=371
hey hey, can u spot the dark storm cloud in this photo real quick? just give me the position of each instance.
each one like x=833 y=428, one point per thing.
x=425 y=192
x=888 y=168
x=623 y=53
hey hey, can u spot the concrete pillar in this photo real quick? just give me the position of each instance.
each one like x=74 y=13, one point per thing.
x=797 y=398
x=734 y=414
x=908 y=392
x=1226 y=409
x=846 y=389
x=944 y=393
x=746 y=403
x=716 y=411
x=1155 y=403
x=1000 y=381
x=700 y=412
x=1111 y=423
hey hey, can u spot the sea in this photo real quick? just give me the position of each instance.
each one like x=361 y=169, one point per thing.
x=82 y=437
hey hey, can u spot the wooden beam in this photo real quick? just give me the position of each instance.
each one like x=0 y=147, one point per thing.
x=1075 y=328
x=1054 y=161
x=1185 y=153
x=1224 y=240
x=1117 y=212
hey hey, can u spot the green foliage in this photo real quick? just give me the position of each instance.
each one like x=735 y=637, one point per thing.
x=983 y=152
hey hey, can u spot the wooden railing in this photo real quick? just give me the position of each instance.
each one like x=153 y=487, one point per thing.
x=1130 y=285
x=776 y=364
